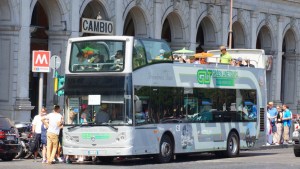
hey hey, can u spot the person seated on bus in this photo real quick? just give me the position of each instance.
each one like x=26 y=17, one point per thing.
x=203 y=61
x=81 y=61
x=102 y=116
x=72 y=116
x=118 y=62
x=248 y=64
x=161 y=55
x=83 y=119
x=97 y=58
x=239 y=62
x=181 y=60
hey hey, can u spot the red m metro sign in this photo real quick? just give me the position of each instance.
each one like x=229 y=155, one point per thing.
x=41 y=61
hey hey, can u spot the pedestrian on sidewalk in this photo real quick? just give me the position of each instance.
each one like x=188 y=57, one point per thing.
x=271 y=127
x=36 y=130
x=55 y=121
x=44 y=129
x=287 y=121
x=279 y=126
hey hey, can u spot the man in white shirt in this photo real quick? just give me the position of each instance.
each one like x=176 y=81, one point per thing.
x=37 y=130
x=55 y=121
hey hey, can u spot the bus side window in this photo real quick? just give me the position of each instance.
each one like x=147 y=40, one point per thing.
x=139 y=56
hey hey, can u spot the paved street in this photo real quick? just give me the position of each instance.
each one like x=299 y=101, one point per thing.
x=260 y=159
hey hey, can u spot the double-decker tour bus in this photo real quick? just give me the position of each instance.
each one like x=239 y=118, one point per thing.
x=126 y=97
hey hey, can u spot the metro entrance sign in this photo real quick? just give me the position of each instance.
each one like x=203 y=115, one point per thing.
x=41 y=61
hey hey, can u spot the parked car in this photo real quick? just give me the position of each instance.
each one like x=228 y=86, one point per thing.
x=9 y=144
x=296 y=137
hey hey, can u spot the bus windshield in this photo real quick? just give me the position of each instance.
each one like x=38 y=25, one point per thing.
x=97 y=56
x=88 y=104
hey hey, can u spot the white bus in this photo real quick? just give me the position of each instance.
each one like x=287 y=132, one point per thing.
x=144 y=103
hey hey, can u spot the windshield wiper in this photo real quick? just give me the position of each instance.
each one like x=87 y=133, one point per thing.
x=112 y=127
x=81 y=125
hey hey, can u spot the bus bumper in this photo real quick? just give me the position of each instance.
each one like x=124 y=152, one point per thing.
x=115 y=151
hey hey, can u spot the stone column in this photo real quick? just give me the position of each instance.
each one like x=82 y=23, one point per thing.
x=157 y=19
x=225 y=22
x=298 y=82
x=253 y=37
x=119 y=22
x=22 y=104
x=75 y=19
x=278 y=60
x=57 y=45
x=192 y=26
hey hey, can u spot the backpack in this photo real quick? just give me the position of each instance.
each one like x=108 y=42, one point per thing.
x=33 y=143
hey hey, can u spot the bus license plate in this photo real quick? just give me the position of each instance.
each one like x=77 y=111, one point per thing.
x=93 y=152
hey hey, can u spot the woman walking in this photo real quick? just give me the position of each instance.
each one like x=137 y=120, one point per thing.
x=279 y=125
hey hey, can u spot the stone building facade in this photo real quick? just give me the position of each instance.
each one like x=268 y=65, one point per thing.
x=26 y=25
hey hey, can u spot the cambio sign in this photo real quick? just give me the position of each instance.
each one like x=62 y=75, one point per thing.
x=40 y=61
x=96 y=26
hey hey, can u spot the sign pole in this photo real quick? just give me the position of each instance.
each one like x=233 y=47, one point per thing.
x=41 y=86
x=40 y=64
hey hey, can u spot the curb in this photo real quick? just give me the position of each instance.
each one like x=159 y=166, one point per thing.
x=264 y=147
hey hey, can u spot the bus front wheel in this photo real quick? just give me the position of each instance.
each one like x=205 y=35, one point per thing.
x=233 y=145
x=165 y=150
x=106 y=159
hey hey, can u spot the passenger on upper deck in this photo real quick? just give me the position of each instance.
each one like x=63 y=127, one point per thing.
x=161 y=54
x=239 y=62
x=203 y=61
x=225 y=57
x=248 y=63
x=119 y=58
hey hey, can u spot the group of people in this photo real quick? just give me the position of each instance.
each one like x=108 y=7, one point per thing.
x=225 y=58
x=95 y=58
x=47 y=131
x=279 y=124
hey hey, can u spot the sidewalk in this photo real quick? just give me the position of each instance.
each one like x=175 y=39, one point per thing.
x=265 y=147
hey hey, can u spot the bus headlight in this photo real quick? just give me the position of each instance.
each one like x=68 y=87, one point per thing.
x=121 y=137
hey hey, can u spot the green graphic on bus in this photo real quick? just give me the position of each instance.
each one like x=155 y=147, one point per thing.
x=204 y=76
x=95 y=135
x=223 y=78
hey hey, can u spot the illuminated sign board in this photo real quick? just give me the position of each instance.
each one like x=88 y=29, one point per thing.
x=96 y=26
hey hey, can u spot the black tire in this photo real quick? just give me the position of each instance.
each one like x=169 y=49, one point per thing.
x=21 y=153
x=28 y=155
x=106 y=159
x=233 y=145
x=297 y=152
x=8 y=157
x=165 y=150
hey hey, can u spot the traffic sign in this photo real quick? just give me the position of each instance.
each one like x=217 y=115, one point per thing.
x=40 y=61
x=55 y=62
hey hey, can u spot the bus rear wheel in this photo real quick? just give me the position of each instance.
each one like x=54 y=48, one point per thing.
x=297 y=152
x=165 y=150
x=233 y=145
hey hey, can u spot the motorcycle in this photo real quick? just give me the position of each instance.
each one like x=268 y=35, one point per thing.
x=24 y=129
x=25 y=135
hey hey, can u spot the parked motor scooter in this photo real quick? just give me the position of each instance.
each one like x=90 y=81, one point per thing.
x=24 y=129
x=296 y=137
